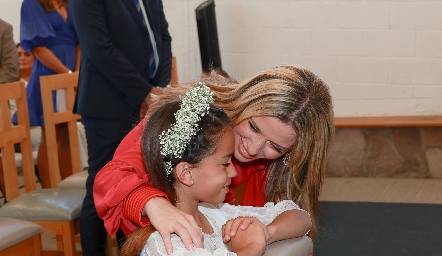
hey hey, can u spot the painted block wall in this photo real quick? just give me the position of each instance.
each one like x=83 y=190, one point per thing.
x=380 y=58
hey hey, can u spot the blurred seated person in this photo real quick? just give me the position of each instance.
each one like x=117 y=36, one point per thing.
x=26 y=61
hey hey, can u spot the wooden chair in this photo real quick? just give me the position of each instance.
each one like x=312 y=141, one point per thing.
x=19 y=238
x=54 y=119
x=64 y=116
x=15 y=134
x=174 y=72
x=57 y=211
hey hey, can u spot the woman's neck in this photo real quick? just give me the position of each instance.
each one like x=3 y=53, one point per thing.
x=25 y=74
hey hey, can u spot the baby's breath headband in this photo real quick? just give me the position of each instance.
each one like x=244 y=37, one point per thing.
x=194 y=105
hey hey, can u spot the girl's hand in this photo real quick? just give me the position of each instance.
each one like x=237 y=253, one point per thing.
x=231 y=227
x=167 y=219
x=250 y=241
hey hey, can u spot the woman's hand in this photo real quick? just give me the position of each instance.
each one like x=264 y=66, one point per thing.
x=250 y=241
x=231 y=227
x=167 y=219
x=144 y=107
x=48 y=58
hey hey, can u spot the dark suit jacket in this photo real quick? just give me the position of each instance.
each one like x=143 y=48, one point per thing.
x=114 y=45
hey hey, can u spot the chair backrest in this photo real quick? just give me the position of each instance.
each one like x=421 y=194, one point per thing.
x=174 y=72
x=66 y=83
x=10 y=135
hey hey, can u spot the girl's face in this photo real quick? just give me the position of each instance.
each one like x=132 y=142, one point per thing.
x=262 y=137
x=213 y=174
x=26 y=59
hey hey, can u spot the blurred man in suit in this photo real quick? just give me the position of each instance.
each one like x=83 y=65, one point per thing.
x=9 y=68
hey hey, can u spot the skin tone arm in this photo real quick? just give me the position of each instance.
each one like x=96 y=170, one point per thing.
x=48 y=58
x=249 y=242
x=173 y=220
x=300 y=224
x=144 y=107
x=77 y=58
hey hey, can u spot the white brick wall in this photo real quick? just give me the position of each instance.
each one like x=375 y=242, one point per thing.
x=378 y=57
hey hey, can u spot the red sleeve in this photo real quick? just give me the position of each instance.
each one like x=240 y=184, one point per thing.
x=122 y=187
x=136 y=201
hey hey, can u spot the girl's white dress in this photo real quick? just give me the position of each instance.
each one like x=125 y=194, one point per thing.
x=217 y=216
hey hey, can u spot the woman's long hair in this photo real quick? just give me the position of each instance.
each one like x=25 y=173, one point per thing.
x=49 y=6
x=296 y=97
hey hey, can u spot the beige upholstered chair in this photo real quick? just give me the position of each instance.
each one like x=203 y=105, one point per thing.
x=301 y=246
x=19 y=238
x=57 y=211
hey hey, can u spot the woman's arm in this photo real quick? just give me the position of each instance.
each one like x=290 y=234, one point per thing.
x=48 y=58
x=289 y=224
x=284 y=220
x=77 y=58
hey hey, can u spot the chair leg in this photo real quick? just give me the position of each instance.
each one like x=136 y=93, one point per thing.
x=68 y=236
x=59 y=242
x=37 y=245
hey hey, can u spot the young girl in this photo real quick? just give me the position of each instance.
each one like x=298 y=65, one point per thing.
x=191 y=163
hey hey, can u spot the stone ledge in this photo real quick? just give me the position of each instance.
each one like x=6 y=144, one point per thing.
x=388 y=121
x=388 y=190
x=402 y=152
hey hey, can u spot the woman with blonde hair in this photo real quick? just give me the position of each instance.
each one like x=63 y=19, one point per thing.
x=187 y=147
x=283 y=126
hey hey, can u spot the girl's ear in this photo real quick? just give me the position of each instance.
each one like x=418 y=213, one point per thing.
x=184 y=173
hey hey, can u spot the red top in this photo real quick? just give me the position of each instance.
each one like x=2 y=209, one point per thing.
x=122 y=187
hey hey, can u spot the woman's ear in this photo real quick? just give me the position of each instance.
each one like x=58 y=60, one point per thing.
x=184 y=173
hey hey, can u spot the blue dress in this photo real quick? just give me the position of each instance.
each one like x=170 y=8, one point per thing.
x=41 y=28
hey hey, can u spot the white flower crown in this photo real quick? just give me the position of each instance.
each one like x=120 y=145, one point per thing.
x=194 y=105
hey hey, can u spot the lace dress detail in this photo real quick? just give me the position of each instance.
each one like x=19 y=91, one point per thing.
x=217 y=215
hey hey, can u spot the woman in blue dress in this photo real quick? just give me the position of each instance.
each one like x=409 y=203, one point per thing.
x=46 y=30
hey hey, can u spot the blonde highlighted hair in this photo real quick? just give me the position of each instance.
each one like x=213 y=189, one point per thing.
x=295 y=96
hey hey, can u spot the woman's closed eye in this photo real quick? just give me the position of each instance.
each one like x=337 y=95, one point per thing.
x=277 y=148
x=252 y=126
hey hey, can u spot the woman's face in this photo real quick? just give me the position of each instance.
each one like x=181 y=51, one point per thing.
x=214 y=173
x=26 y=59
x=262 y=137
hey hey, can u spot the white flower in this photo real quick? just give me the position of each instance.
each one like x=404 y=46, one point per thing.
x=194 y=105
